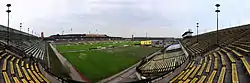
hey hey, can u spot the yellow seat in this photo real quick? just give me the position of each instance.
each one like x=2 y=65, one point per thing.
x=12 y=59
x=32 y=68
x=195 y=71
x=19 y=71
x=45 y=79
x=3 y=54
x=181 y=77
x=12 y=68
x=8 y=57
x=22 y=63
x=192 y=64
x=188 y=66
x=16 y=80
x=180 y=82
x=187 y=75
x=205 y=59
x=27 y=66
x=202 y=79
x=33 y=76
x=222 y=59
x=211 y=77
x=215 y=55
x=210 y=57
x=235 y=78
x=201 y=61
x=4 y=65
x=39 y=78
x=215 y=63
x=26 y=74
x=31 y=81
x=6 y=77
x=202 y=69
x=187 y=81
x=222 y=75
x=37 y=70
x=176 y=77
x=17 y=61
x=229 y=56
x=237 y=53
x=246 y=64
x=240 y=47
x=24 y=81
x=208 y=66
x=194 y=80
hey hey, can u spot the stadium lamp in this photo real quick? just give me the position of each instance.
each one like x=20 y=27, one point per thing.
x=8 y=28
x=21 y=26
x=217 y=11
x=197 y=25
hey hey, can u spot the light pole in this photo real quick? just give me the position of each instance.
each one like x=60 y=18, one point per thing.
x=8 y=32
x=20 y=31
x=28 y=33
x=217 y=11
x=197 y=25
x=21 y=26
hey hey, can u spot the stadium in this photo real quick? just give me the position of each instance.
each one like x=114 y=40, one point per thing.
x=216 y=56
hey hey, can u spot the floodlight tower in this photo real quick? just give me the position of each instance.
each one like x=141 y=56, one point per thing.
x=21 y=26
x=28 y=33
x=217 y=11
x=8 y=28
x=197 y=25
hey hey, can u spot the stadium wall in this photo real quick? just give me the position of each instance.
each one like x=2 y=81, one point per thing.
x=56 y=64
x=73 y=73
x=183 y=49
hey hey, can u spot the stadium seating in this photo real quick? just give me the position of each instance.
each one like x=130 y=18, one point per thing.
x=163 y=63
x=14 y=70
x=216 y=60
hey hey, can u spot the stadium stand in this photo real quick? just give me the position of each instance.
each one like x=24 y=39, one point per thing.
x=163 y=63
x=24 y=59
x=210 y=62
x=14 y=73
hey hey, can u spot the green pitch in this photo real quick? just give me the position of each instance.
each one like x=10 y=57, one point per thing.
x=99 y=64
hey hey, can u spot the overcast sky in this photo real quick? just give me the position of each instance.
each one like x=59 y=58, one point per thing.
x=124 y=17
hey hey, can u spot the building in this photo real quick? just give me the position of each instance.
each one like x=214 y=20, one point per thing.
x=82 y=37
x=187 y=34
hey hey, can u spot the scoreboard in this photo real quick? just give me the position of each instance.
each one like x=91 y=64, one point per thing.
x=148 y=42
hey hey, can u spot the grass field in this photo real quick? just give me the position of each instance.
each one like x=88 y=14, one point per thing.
x=99 y=64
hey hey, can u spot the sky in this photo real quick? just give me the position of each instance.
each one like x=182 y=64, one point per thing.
x=157 y=18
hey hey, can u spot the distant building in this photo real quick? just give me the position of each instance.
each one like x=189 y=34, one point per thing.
x=152 y=38
x=42 y=35
x=82 y=37
x=187 y=34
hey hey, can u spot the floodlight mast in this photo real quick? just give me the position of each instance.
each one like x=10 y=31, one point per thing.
x=8 y=28
x=217 y=11
x=197 y=25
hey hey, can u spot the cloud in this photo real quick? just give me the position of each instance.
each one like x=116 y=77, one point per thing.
x=124 y=17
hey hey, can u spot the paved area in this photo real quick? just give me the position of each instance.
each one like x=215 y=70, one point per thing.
x=73 y=73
